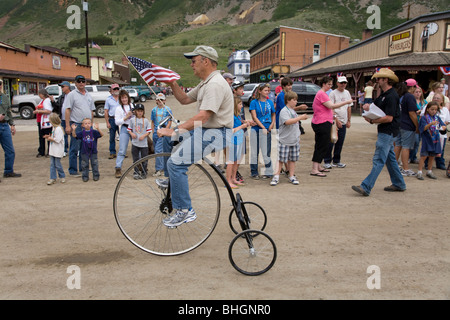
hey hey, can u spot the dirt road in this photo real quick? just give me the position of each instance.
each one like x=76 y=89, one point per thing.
x=327 y=235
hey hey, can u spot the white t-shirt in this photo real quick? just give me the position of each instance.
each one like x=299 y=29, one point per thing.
x=56 y=148
x=336 y=97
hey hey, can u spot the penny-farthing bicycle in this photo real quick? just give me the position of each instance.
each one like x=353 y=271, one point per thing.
x=141 y=203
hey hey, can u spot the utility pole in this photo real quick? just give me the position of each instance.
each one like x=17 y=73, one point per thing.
x=86 y=9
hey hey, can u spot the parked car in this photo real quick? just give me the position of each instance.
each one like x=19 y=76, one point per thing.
x=306 y=92
x=24 y=105
x=133 y=95
x=249 y=89
x=145 y=93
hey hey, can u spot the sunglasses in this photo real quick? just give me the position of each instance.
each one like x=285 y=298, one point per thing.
x=81 y=81
x=116 y=89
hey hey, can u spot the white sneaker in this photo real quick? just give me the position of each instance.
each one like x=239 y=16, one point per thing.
x=275 y=180
x=180 y=217
x=327 y=166
x=294 y=180
x=339 y=165
x=50 y=182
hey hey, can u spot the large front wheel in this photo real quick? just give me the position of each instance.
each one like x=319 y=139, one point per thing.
x=142 y=202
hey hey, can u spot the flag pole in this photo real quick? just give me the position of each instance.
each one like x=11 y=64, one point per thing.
x=148 y=85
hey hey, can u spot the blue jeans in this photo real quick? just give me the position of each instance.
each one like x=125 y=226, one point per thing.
x=74 y=151
x=8 y=148
x=258 y=141
x=124 y=138
x=384 y=155
x=56 y=167
x=112 y=135
x=193 y=147
x=85 y=159
x=336 y=157
x=158 y=145
x=66 y=137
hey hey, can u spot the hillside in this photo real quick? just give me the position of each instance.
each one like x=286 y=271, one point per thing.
x=160 y=30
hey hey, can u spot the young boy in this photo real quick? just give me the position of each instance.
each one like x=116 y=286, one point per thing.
x=139 y=130
x=159 y=113
x=88 y=137
x=289 y=138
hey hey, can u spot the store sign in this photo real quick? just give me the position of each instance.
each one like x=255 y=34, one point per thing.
x=56 y=60
x=401 y=42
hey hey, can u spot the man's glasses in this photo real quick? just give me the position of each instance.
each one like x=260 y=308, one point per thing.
x=81 y=81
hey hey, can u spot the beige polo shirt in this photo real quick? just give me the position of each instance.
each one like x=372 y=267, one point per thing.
x=214 y=94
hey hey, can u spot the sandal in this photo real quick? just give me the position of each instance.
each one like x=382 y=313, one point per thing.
x=318 y=174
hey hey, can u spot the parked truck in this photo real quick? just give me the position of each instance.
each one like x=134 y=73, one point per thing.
x=24 y=105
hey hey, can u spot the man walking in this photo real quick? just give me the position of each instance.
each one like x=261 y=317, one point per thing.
x=7 y=130
x=343 y=116
x=388 y=129
x=215 y=114
x=79 y=105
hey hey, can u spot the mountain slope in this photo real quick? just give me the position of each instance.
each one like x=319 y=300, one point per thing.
x=160 y=30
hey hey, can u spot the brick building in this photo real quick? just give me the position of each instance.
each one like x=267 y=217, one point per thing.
x=286 y=49
x=26 y=71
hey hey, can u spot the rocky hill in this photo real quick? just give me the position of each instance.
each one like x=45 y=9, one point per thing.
x=162 y=29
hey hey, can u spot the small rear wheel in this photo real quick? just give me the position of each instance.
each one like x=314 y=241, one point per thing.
x=254 y=216
x=252 y=252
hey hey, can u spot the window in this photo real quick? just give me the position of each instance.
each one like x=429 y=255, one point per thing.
x=316 y=53
x=23 y=87
x=32 y=88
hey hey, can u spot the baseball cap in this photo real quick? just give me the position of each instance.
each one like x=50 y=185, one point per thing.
x=64 y=83
x=237 y=84
x=228 y=76
x=139 y=106
x=160 y=96
x=411 y=83
x=80 y=77
x=342 y=79
x=205 y=51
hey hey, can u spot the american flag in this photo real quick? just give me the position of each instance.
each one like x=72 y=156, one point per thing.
x=340 y=74
x=151 y=72
x=96 y=46
x=445 y=70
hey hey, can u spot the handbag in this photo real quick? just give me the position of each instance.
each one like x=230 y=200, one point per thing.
x=334 y=133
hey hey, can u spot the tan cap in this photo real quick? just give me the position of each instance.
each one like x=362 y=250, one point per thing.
x=204 y=51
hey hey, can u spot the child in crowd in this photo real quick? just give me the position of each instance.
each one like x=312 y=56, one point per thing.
x=88 y=137
x=56 y=149
x=159 y=113
x=429 y=126
x=139 y=129
x=289 y=138
x=236 y=149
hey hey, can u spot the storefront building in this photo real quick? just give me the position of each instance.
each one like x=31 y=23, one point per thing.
x=26 y=71
x=286 y=49
x=418 y=48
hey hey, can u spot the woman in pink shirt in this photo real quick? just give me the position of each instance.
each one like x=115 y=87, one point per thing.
x=321 y=124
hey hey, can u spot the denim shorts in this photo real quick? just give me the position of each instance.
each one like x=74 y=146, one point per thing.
x=407 y=139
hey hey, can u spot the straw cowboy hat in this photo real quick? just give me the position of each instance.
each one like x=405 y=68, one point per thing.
x=386 y=73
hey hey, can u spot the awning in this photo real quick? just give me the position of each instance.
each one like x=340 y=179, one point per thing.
x=114 y=80
x=420 y=61
x=51 y=78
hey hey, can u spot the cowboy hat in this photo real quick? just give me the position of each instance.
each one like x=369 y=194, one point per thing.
x=386 y=73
